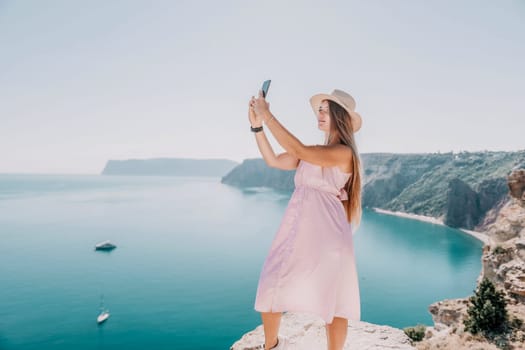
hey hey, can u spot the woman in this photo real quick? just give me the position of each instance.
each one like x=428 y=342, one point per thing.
x=310 y=266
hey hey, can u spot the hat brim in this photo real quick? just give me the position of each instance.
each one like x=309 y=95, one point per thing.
x=355 y=118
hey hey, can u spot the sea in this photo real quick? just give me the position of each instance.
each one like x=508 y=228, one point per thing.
x=185 y=271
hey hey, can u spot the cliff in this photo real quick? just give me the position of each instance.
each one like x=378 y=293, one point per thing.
x=308 y=333
x=169 y=167
x=464 y=190
x=503 y=263
x=255 y=173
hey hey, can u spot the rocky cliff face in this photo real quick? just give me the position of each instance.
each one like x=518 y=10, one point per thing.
x=462 y=205
x=467 y=208
x=503 y=262
x=517 y=186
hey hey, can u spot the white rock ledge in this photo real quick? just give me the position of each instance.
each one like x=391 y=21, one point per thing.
x=307 y=332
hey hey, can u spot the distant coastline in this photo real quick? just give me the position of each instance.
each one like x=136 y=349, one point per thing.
x=169 y=167
x=478 y=235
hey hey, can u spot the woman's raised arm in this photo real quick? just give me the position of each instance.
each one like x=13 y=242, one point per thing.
x=284 y=161
x=323 y=155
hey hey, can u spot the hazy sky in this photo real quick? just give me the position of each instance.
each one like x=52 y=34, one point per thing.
x=82 y=82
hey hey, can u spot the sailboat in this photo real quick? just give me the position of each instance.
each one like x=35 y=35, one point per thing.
x=104 y=313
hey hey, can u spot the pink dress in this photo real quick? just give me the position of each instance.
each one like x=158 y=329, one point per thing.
x=311 y=266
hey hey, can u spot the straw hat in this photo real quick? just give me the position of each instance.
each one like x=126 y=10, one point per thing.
x=344 y=100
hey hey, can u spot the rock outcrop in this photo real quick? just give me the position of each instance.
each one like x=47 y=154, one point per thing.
x=307 y=332
x=517 y=185
x=503 y=263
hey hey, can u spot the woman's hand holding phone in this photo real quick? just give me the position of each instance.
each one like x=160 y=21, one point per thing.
x=255 y=120
x=258 y=106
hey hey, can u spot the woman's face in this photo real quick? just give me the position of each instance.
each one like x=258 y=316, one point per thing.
x=323 y=116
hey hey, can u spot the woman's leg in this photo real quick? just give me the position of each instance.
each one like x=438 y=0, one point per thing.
x=271 y=322
x=336 y=333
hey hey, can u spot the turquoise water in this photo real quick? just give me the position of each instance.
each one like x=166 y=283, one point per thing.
x=189 y=254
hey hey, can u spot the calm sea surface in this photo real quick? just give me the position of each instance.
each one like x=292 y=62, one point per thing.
x=185 y=272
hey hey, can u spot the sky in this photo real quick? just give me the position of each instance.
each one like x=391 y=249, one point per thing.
x=84 y=82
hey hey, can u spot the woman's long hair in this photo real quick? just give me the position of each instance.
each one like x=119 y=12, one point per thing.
x=341 y=127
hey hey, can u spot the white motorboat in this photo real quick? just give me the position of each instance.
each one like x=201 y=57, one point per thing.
x=105 y=245
x=104 y=315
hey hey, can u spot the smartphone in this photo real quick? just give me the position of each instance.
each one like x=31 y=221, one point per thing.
x=265 y=87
